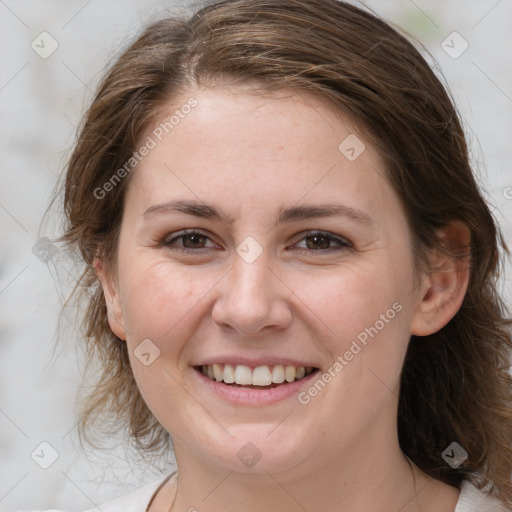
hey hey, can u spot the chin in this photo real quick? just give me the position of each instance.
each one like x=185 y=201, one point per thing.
x=259 y=449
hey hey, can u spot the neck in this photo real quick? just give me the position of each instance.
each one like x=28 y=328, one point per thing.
x=369 y=480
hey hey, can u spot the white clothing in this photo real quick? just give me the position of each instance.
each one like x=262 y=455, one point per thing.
x=470 y=500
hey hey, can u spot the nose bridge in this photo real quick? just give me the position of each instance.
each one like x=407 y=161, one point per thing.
x=252 y=279
x=250 y=299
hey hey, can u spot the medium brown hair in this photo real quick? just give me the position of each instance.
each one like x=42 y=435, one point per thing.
x=455 y=384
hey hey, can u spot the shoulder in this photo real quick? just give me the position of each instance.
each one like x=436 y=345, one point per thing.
x=472 y=499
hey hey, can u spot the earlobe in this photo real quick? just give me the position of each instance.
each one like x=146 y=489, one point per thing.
x=114 y=310
x=444 y=286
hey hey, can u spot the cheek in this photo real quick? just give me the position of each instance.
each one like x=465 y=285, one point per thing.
x=163 y=303
x=366 y=311
x=160 y=301
x=351 y=298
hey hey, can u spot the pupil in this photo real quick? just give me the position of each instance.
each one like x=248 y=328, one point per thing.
x=319 y=242
x=194 y=241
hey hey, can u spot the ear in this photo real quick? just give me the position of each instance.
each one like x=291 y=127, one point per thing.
x=445 y=284
x=114 y=310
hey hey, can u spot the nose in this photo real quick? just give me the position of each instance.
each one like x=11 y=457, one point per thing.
x=252 y=299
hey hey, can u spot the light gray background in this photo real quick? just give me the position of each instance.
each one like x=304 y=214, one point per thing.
x=41 y=101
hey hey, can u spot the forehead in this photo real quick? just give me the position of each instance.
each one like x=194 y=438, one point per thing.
x=242 y=147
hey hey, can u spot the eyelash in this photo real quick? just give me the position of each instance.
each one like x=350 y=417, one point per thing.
x=343 y=243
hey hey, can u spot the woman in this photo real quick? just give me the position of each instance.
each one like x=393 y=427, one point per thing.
x=291 y=271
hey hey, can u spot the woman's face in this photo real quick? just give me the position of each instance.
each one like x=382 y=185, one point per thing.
x=261 y=233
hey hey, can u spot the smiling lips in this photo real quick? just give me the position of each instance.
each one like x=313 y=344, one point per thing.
x=259 y=376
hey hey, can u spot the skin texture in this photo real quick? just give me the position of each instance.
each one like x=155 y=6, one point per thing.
x=251 y=156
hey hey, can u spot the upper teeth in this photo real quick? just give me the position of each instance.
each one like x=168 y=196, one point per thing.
x=259 y=376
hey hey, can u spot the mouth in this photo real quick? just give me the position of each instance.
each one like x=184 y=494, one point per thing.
x=257 y=378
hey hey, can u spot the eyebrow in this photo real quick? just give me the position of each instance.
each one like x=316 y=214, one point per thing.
x=194 y=208
x=324 y=210
x=290 y=214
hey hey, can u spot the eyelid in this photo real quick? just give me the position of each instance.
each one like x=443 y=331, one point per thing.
x=189 y=231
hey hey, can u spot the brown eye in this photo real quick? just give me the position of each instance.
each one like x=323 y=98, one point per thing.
x=194 y=241
x=318 y=242
x=188 y=241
